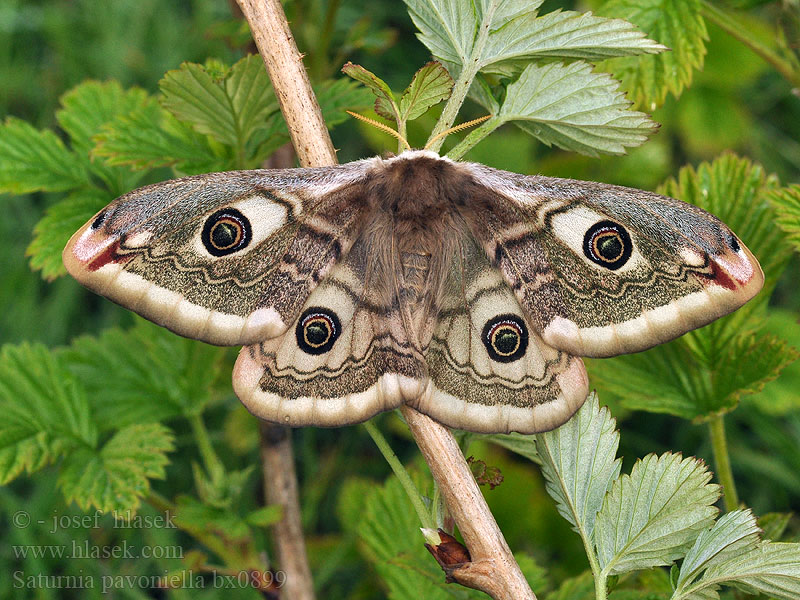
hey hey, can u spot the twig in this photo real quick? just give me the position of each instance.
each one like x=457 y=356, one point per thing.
x=289 y=79
x=280 y=487
x=492 y=568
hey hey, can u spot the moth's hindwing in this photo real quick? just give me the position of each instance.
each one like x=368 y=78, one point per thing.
x=489 y=370
x=227 y=258
x=345 y=358
x=602 y=270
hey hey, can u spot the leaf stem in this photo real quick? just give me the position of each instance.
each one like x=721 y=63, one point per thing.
x=463 y=83
x=423 y=513
x=211 y=461
x=722 y=460
x=600 y=580
x=600 y=576
x=732 y=26
x=159 y=502
x=451 y=108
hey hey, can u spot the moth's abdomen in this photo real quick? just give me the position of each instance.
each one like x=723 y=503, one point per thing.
x=415 y=266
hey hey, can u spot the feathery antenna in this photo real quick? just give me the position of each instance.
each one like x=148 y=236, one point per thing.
x=458 y=128
x=403 y=140
x=381 y=126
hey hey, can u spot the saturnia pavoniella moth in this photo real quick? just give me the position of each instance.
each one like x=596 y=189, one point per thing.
x=466 y=292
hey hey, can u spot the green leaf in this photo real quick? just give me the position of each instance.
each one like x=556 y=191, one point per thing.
x=250 y=91
x=733 y=534
x=652 y=516
x=506 y=11
x=579 y=464
x=780 y=398
x=770 y=568
x=92 y=104
x=197 y=517
x=653 y=584
x=431 y=84
x=678 y=25
x=383 y=109
x=45 y=410
x=575 y=109
x=231 y=106
x=787 y=206
x=151 y=137
x=481 y=92
x=59 y=223
x=667 y=380
x=774 y=525
x=337 y=95
x=30 y=454
x=451 y=31
x=563 y=35
x=524 y=445
x=117 y=476
x=146 y=374
x=575 y=588
x=33 y=160
x=220 y=489
x=535 y=574
x=385 y=105
x=448 y=27
x=753 y=362
x=350 y=503
x=265 y=516
x=86 y=109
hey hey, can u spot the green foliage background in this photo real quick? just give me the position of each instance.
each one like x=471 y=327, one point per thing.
x=166 y=432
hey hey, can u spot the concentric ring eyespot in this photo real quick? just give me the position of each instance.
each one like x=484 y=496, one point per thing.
x=317 y=330
x=505 y=338
x=607 y=244
x=225 y=232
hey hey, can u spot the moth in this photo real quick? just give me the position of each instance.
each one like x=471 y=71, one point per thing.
x=466 y=292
